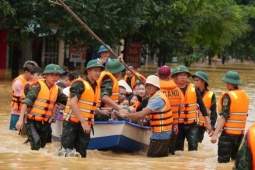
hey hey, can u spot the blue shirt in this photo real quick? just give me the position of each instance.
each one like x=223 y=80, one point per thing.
x=158 y=104
x=108 y=59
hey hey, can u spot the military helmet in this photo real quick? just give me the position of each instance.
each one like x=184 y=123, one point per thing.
x=114 y=66
x=93 y=63
x=53 y=68
x=202 y=75
x=232 y=77
x=103 y=49
x=181 y=69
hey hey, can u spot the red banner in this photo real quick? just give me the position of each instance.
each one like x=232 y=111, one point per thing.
x=133 y=53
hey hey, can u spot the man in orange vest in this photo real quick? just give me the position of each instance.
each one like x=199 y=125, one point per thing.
x=191 y=99
x=109 y=90
x=18 y=92
x=39 y=105
x=79 y=111
x=209 y=99
x=245 y=158
x=161 y=118
x=233 y=106
x=173 y=93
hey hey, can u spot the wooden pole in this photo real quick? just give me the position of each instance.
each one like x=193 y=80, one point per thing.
x=60 y=2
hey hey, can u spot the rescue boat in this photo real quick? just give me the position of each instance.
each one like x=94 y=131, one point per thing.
x=116 y=135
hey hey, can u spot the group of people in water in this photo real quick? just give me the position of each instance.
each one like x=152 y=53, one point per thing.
x=168 y=102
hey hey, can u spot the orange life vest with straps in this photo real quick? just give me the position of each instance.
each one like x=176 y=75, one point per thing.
x=17 y=100
x=87 y=104
x=161 y=120
x=251 y=143
x=115 y=88
x=44 y=104
x=207 y=99
x=238 y=111
x=134 y=79
x=173 y=94
x=190 y=109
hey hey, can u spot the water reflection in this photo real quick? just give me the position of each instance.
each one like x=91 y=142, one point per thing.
x=16 y=155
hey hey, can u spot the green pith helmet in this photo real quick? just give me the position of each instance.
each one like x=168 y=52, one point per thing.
x=93 y=63
x=103 y=49
x=180 y=69
x=232 y=77
x=53 y=68
x=202 y=75
x=114 y=66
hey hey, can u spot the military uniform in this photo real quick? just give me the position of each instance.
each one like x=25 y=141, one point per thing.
x=106 y=89
x=38 y=131
x=70 y=129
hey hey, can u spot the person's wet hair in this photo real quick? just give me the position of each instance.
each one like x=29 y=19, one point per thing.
x=36 y=70
x=28 y=65
x=74 y=75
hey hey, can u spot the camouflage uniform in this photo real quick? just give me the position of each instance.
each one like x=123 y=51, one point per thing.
x=228 y=144
x=38 y=132
x=73 y=135
x=190 y=131
x=244 y=157
x=106 y=89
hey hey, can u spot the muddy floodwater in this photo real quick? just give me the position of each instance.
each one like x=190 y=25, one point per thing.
x=16 y=155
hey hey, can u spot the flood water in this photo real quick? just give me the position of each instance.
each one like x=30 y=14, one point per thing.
x=16 y=155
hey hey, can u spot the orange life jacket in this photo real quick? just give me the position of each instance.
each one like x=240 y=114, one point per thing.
x=161 y=121
x=115 y=88
x=17 y=100
x=238 y=111
x=87 y=103
x=251 y=143
x=44 y=104
x=134 y=80
x=173 y=94
x=189 y=110
x=136 y=104
x=207 y=99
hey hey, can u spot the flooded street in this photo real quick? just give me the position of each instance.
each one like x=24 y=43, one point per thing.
x=16 y=155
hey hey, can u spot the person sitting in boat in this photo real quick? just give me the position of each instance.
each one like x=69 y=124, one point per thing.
x=109 y=90
x=130 y=78
x=104 y=54
x=161 y=119
x=135 y=101
x=38 y=106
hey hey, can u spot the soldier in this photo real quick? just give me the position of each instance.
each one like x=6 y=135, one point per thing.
x=209 y=99
x=109 y=90
x=104 y=55
x=245 y=158
x=233 y=106
x=173 y=94
x=79 y=111
x=38 y=106
x=191 y=99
